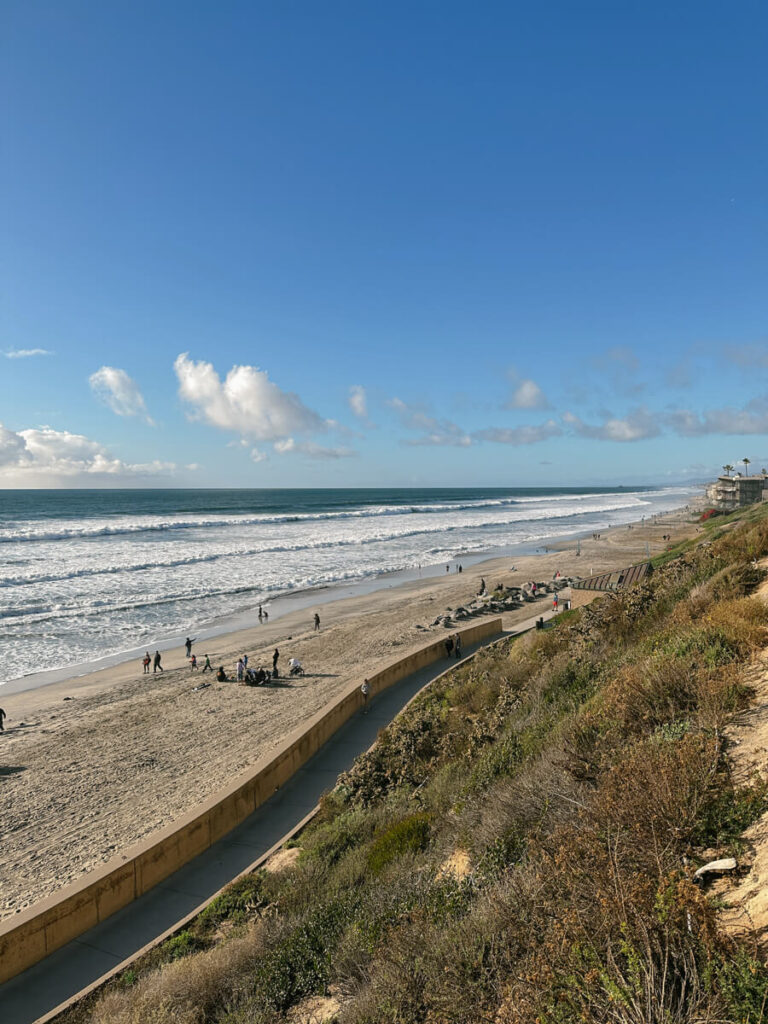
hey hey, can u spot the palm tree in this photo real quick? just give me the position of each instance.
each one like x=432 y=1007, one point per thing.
x=728 y=467
x=746 y=463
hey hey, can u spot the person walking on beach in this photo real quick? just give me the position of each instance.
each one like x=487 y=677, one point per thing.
x=207 y=667
x=365 y=689
x=146 y=663
x=275 y=658
x=261 y=614
x=157 y=664
x=2 y=716
x=193 y=662
x=317 y=623
x=188 y=645
x=457 y=646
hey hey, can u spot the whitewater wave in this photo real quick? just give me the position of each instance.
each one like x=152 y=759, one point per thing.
x=337 y=542
x=98 y=528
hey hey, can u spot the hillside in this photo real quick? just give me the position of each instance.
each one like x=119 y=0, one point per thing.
x=521 y=843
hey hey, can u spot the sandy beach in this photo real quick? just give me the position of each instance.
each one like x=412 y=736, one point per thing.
x=93 y=764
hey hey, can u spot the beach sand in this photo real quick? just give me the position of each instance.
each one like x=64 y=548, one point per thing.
x=94 y=764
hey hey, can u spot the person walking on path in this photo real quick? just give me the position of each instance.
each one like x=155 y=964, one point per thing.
x=554 y=603
x=457 y=646
x=275 y=658
x=365 y=689
x=188 y=645
x=2 y=716
x=146 y=663
x=207 y=667
x=157 y=664
x=449 y=646
x=317 y=623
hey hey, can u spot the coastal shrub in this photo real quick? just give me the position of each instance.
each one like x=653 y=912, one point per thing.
x=410 y=835
x=239 y=902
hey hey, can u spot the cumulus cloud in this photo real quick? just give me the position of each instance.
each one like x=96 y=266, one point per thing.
x=45 y=457
x=527 y=395
x=636 y=426
x=519 y=435
x=432 y=430
x=752 y=419
x=120 y=392
x=250 y=404
x=26 y=353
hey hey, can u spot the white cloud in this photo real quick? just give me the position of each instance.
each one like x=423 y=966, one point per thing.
x=258 y=456
x=26 y=353
x=246 y=401
x=120 y=392
x=519 y=435
x=527 y=395
x=46 y=457
x=433 y=431
x=357 y=401
x=752 y=419
x=636 y=426
x=315 y=451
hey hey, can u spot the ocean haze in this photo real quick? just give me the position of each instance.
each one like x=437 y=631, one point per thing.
x=90 y=574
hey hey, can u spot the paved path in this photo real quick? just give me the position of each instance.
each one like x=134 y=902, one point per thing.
x=58 y=977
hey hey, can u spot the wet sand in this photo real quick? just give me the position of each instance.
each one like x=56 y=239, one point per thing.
x=94 y=764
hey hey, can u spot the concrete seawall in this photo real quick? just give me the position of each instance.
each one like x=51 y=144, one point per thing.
x=51 y=923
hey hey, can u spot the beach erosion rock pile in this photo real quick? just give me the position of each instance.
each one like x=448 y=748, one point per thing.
x=501 y=599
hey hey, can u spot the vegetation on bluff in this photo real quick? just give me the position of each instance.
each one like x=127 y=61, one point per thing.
x=582 y=774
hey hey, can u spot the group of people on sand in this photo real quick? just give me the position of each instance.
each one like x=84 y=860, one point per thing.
x=241 y=674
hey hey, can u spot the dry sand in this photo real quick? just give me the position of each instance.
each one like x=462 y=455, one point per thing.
x=95 y=764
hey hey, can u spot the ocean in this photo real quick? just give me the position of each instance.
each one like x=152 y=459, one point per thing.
x=86 y=575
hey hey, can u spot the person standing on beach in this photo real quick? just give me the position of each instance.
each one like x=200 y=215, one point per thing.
x=317 y=623
x=275 y=658
x=146 y=663
x=157 y=664
x=365 y=689
x=188 y=645
x=261 y=614
x=2 y=716
x=240 y=670
x=193 y=662
x=207 y=667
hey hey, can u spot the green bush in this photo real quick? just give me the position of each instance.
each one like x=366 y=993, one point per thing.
x=410 y=835
x=237 y=903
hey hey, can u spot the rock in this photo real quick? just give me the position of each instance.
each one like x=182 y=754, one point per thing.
x=716 y=867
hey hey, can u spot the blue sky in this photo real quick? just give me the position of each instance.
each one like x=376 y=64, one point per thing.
x=302 y=244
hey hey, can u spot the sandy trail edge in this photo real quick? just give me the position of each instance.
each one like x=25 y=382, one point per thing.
x=747 y=900
x=93 y=765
